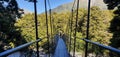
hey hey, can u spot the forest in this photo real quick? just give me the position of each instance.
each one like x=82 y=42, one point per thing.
x=104 y=28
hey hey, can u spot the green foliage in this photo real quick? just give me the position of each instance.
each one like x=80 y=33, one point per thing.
x=99 y=27
x=99 y=24
x=9 y=36
x=112 y=3
x=27 y=26
x=114 y=26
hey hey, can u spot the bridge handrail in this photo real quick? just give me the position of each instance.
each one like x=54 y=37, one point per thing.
x=7 y=52
x=103 y=46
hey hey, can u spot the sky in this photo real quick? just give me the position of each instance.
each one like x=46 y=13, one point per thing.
x=40 y=4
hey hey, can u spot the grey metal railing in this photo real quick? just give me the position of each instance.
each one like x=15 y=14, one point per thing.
x=5 y=53
x=103 y=46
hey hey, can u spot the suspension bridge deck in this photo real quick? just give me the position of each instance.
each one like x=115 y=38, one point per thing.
x=61 y=49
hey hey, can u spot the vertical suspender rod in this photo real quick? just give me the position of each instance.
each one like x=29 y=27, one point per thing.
x=87 y=31
x=36 y=27
x=76 y=28
x=47 y=26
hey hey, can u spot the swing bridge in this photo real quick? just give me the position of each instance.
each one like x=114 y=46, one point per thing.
x=61 y=49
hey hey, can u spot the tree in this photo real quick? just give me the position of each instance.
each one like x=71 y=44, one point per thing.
x=99 y=24
x=114 y=27
x=113 y=4
x=9 y=36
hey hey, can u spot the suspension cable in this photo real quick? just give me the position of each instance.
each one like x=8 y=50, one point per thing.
x=73 y=4
x=76 y=29
x=71 y=21
x=87 y=31
x=47 y=26
x=49 y=4
x=51 y=22
x=69 y=33
x=36 y=27
x=50 y=16
x=51 y=25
